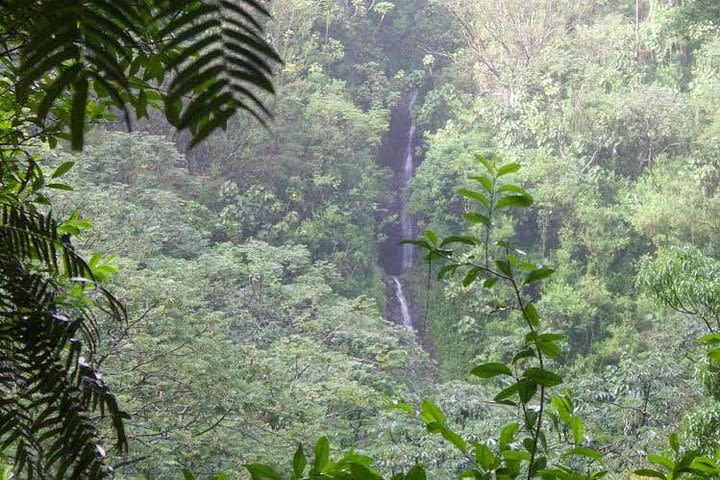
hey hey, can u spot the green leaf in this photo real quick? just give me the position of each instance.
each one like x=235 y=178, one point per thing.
x=527 y=388
x=507 y=393
x=490 y=370
x=674 y=442
x=59 y=186
x=662 y=461
x=714 y=355
x=466 y=239
x=262 y=472
x=508 y=168
x=543 y=377
x=62 y=169
x=549 y=348
x=322 y=454
x=531 y=314
x=475 y=217
x=361 y=472
x=431 y=413
x=484 y=457
x=645 y=472
x=431 y=236
x=504 y=267
x=484 y=181
x=471 y=275
x=709 y=339
x=586 y=452
x=453 y=438
x=485 y=162
x=490 y=282
x=514 y=189
x=507 y=434
x=563 y=407
x=472 y=194
x=538 y=274
x=402 y=406
x=299 y=462
x=577 y=430
x=188 y=475
x=517 y=201
x=417 y=472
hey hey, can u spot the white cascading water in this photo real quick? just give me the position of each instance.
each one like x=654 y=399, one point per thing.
x=407 y=320
x=406 y=223
x=407 y=228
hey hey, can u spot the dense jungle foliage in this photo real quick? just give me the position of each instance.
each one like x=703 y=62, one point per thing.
x=260 y=310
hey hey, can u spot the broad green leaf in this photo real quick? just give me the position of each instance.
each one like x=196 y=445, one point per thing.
x=538 y=274
x=516 y=455
x=430 y=235
x=674 y=442
x=299 y=462
x=549 y=348
x=59 y=186
x=576 y=426
x=517 y=201
x=466 y=239
x=402 y=406
x=508 y=168
x=453 y=438
x=484 y=181
x=710 y=338
x=543 y=377
x=431 y=413
x=490 y=282
x=645 y=472
x=507 y=393
x=507 y=434
x=484 y=457
x=486 y=163
x=563 y=407
x=417 y=472
x=714 y=354
x=471 y=276
x=62 y=169
x=188 y=475
x=362 y=472
x=489 y=370
x=514 y=189
x=322 y=454
x=504 y=267
x=662 y=461
x=475 y=217
x=262 y=472
x=527 y=388
x=472 y=194
x=531 y=314
x=586 y=452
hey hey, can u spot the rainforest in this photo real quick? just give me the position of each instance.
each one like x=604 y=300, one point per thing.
x=360 y=239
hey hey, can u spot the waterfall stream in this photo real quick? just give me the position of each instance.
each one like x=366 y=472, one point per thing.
x=399 y=258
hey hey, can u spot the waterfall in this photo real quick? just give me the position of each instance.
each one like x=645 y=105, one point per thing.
x=398 y=258
x=407 y=319
x=408 y=168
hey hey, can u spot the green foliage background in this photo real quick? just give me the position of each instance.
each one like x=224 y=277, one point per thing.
x=250 y=267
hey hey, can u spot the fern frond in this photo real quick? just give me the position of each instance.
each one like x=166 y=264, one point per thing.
x=47 y=389
x=212 y=55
